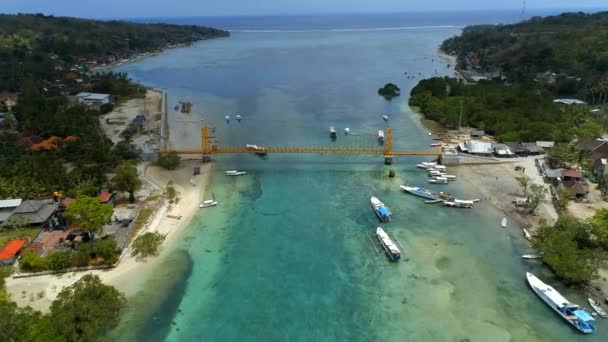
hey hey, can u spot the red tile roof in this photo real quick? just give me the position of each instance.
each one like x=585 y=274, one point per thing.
x=11 y=248
x=67 y=201
x=571 y=173
x=104 y=196
x=48 y=144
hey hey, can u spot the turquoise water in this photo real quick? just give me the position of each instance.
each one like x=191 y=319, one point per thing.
x=286 y=256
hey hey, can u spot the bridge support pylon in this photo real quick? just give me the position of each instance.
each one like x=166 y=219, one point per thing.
x=388 y=159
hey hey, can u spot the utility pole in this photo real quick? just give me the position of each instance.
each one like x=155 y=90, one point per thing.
x=460 y=118
x=523 y=11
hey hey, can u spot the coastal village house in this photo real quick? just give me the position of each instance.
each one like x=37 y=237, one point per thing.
x=37 y=213
x=94 y=100
x=597 y=152
x=7 y=207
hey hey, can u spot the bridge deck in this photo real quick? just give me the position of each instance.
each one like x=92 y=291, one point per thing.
x=312 y=149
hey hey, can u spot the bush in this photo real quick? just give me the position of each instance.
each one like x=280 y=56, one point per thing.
x=106 y=108
x=148 y=244
x=33 y=262
x=106 y=249
x=59 y=260
x=82 y=256
x=169 y=161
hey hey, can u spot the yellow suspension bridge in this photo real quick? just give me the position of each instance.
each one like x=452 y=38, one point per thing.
x=208 y=148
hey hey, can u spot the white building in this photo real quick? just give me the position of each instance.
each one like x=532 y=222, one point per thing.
x=93 y=99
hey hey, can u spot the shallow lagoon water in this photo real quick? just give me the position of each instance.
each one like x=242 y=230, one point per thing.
x=286 y=256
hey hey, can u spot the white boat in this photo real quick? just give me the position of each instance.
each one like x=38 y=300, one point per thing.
x=438 y=180
x=436 y=173
x=235 y=173
x=532 y=256
x=448 y=177
x=346 y=131
x=527 y=234
x=437 y=145
x=382 y=211
x=208 y=203
x=227 y=117
x=439 y=167
x=332 y=132
x=572 y=313
x=426 y=165
x=193 y=181
x=503 y=223
x=389 y=246
x=456 y=203
x=381 y=136
x=385 y=117
x=238 y=118
x=257 y=149
x=597 y=306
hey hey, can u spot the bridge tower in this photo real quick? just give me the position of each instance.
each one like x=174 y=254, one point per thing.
x=388 y=147
x=207 y=148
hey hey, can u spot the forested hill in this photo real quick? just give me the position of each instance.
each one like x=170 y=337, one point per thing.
x=38 y=46
x=565 y=47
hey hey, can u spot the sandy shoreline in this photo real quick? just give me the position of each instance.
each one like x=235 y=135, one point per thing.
x=130 y=275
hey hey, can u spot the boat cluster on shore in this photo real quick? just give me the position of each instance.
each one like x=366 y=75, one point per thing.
x=437 y=173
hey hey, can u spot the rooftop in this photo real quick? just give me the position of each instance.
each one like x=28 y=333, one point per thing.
x=10 y=203
x=569 y=101
x=571 y=173
x=11 y=248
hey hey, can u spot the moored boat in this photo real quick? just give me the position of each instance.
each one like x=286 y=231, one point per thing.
x=420 y=192
x=208 y=203
x=503 y=223
x=382 y=211
x=532 y=256
x=426 y=165
x=597 y=306
x=346 y=131
x=385 y=117
x=438 y=180
x=572 y=313
x=436 y=144
x=381 y=136
x=389 y=245
x=193 y=181
x=227 y=118
x=257 y=149
x=235 y=173
x=527 y=234
x=332 y=132
x=238 y=118
x=456 y=203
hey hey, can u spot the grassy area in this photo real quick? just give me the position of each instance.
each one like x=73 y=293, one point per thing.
x=10 y=234
x=144 y=215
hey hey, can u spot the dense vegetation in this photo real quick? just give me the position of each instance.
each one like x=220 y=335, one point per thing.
x=574 y=46
x=575 y=250
x=389 y=91
x=512 y=113
x=81 y=312
x=43 y=47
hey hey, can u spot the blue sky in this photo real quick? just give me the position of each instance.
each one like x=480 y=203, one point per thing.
x=166 y=8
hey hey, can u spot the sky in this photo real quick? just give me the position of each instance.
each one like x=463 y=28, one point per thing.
x=171 y=8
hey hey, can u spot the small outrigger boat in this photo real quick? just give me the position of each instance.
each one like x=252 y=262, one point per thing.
x=332 y=132
x=598 y=308
x=438 y=180
x=381 y=136
x=420 y=192
x=346 y=131
x=426 y=165
x=572 y=313
x=456 y=203
x=208 y=203
x=385 y=117
x=227 y=117
x=382 y=211
x=436 y=144
x=387 y=243
x=238 y=118
x=235 y=173
x=257 y=149
x=532 y=256
x=503 y=223
x=527 y=234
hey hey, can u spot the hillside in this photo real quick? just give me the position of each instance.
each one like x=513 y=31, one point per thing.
x=45 y=47
x=568 y=53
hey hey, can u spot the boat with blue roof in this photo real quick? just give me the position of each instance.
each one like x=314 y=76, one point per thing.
x=382 y=211
x=574 y=314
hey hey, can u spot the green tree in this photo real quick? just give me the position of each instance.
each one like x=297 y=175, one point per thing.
x=148 y=244
x=536 y=196
x=170 y=193
x=33 y=262
x=169 y=161
x=87 y=309
x=82 y=255
x=565 y=196
x=83 y=188
x=59 y=260
x=106 y=249
x=17 y=322
x=599 y=226
x=126 y=179
x=89 y=213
